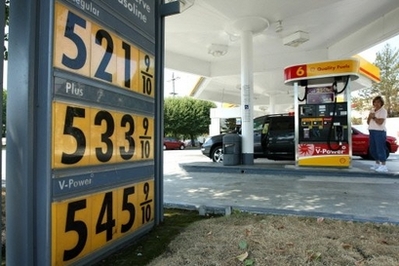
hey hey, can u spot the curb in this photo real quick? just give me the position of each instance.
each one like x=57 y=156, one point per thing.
x=228 y=210
x=253 y=169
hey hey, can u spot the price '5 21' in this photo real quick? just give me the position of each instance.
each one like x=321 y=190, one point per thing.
x=87 y=136
x=88 y=223
x=83 y=47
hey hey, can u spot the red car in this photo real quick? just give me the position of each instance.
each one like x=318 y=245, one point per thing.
x=360 y=142
x=173 y=144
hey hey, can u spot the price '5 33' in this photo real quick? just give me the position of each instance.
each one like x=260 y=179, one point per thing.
x=85 y=136
x=85 y=48
x=82 y=225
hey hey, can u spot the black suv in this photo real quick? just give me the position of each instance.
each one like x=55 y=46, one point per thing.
x=274 y=138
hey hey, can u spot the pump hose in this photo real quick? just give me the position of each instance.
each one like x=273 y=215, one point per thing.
x=333 y=115
x=305 y=96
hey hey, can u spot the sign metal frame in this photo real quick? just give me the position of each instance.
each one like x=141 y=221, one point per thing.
x=37 y=188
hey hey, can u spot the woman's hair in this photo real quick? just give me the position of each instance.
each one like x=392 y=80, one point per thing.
x=379 y=98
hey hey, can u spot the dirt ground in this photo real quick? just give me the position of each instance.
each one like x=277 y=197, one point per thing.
x=248 y=239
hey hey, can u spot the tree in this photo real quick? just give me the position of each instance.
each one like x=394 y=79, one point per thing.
x=388 y=62
x=186 y=117
x=229 y=125
x=6 y=22
x=5 y=56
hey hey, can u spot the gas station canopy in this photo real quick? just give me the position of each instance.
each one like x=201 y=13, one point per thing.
x=203 y=40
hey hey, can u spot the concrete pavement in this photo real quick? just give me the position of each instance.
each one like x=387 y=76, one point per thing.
x=192 y=181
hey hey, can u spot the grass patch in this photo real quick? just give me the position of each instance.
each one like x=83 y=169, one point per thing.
x=156 y=242
x=245 y=239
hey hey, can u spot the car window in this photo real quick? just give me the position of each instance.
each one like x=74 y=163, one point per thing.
x=362 y=128
x=258 y=123
x=281 y=123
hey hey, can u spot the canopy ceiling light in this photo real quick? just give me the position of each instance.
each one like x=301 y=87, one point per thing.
x=296 y=39
x=217 y=50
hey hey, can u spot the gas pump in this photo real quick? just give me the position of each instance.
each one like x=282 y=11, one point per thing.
x=322 y=122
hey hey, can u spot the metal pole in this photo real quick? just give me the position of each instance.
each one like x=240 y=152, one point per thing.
x=159 y=64
x=247 y=98
x=20 y=201
x=272 y=103
x=162 y=11
x=2 y=25
x=296 y=111
x=173 y=93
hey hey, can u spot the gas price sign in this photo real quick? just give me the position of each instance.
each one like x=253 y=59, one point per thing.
x=102 y=130
x=82 y=225
x=86 y=48
x=84 y=135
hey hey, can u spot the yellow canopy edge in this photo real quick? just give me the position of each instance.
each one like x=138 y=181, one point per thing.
x=368 y=69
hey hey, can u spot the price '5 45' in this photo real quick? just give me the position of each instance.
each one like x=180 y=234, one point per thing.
x=85 y=136
x=88 y=49
x=85 y=224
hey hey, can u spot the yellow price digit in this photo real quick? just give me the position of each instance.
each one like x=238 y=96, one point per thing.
x=146 y=85
x=85 y=224
x=89 y=136
x=88 y=49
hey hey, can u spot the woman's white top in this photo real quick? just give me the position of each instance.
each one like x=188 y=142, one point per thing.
x=380 y=113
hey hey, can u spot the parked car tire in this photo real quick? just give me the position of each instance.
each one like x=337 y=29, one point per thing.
x=182 y=147
x=217 y=154
x=164 y=147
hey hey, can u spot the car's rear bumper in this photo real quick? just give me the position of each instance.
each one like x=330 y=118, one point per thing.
x=394 y=148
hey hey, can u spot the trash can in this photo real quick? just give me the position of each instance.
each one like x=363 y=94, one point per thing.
x=231 y=149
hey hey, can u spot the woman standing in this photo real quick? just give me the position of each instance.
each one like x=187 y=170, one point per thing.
x=378 y=133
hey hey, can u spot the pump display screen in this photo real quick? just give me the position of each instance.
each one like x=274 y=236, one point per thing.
x=318 y=95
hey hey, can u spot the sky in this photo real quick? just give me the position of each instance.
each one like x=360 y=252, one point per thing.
x=370 y=54
x=183 y=83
